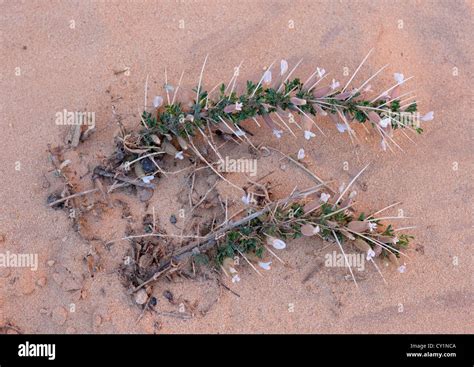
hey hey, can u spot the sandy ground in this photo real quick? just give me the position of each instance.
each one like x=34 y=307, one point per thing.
x=66 y=53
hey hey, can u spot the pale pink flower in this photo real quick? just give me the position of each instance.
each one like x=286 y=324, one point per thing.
x=267 y=77
x=399 y=78
x=341 y=127
x=402 y=268
x=309 y=134
x=320 y=72
x=277 y=133
x=301 y=154
x=147 y=179
x=283 y=67
x=157 y=101
x=235 y=278
x=428 y=117
x=384 y=122
x=276 y=243
x=370 y=254
x=372 y=226
x=324 y=197
x=247 y=199
x=265 y=265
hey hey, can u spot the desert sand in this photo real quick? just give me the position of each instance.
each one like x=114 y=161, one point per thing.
x=63 y=55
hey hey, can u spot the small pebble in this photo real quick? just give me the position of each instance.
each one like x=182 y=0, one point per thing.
x=50 y=263
x=153 y=301
x=97 y=320
x=144 y=194
x=141 y=297
x=173 y=219
x=41 y=282
x=59 y=315
x=26 y=284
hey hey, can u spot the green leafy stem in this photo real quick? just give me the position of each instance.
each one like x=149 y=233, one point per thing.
x=334 y=223
x=292 y=98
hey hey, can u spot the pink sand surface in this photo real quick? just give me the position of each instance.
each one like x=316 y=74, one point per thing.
x=66 y=52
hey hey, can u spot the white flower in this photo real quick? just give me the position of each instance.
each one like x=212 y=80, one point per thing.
x=169 y=88
x=341 y=127
x=247 y=199
x=399 y=78
x=402 y=268
x=276 y=243
x=283 y=67
x=335 y=84
x=372 y=226
x=277 y=133
x=235 y=278
x=147 y=179
x=179 y=155
x=309 y=134
x=239 y=132
x=370 y=254
x=324 y=197
x=383 y=144
x=238 y=106
x=316 y=230
x=385 y=122
x=267 y=77
x=265 y=266
x=352 y=195
x=301 y=154
x=428 y=117
x=320 y=72
x=157 y=101
x=395 y=240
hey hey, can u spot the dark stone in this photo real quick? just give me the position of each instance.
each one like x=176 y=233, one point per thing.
x=147 y=165
x=173 y=219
